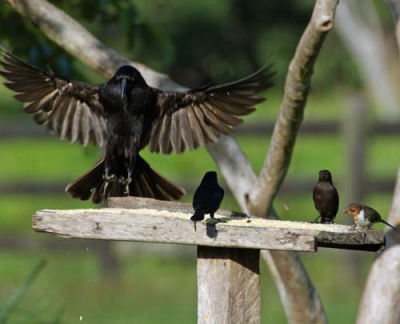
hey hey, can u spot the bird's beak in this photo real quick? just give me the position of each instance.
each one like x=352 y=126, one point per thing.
x=345 y=211
x=123 y=87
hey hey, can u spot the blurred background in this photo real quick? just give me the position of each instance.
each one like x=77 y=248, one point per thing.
x=351 y=127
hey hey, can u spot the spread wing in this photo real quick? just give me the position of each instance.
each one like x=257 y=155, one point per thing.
x=197 y=117
x=70 y=109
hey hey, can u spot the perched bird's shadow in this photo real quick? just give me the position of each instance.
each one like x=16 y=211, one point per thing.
x=211 y=226
x=211 y=223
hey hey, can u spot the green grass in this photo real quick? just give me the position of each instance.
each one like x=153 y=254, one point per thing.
x=152 y=289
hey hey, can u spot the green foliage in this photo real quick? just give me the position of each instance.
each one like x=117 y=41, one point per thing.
x=196 y=42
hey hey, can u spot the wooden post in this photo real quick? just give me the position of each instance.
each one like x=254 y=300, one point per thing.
x=355 y=132
x=228 y=285
x=355 y=180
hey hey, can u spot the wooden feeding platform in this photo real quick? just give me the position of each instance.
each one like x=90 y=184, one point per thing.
x=228 y=246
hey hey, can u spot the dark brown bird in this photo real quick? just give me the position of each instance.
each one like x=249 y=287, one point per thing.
x=326 y=198
x=364 y=216
x=207 y=197
x=125 y=115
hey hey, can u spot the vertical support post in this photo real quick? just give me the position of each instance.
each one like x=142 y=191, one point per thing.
x=228 y=285
x=355 y=180
x=355 y=132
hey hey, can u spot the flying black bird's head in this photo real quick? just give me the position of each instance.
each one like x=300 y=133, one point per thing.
x=325 y=176
x=128 y=78
x=210 y=176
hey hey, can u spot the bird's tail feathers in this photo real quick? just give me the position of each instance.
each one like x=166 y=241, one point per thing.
x=91 y=180
x=145 y=183
x=148 y=183
x=386 y=223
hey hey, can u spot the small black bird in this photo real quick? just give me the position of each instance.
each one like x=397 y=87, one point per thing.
x=208 y=197
x=126 y=114
x=364 y=216
x=326 y=198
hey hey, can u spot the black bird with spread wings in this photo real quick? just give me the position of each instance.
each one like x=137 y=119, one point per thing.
x=125 y=115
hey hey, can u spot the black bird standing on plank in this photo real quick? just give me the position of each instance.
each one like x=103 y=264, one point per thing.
x=207 y=197
x=364 y=216
x=326 y=198
x=126 y=114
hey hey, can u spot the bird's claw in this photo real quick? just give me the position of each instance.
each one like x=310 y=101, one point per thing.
x=109 y=178
x=126 y=182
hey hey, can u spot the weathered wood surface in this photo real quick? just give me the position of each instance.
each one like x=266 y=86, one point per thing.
x=228 y=283
x=150 y=220
x=151 y=225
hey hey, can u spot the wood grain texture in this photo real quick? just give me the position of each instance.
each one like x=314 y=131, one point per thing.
x=149 y=220
x=228 y=283
x=151 y=225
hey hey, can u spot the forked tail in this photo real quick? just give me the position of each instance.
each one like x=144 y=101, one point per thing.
x=145 y=183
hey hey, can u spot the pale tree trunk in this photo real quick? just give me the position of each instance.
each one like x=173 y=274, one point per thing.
x=392 y=237
x=358 y=26
x=300 y=299
x=297 y=87
x=380 y=301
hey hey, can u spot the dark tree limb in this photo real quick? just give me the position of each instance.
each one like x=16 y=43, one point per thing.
x=297 y=87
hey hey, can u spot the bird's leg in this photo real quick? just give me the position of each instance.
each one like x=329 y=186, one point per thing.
x=128 y=181
x=107 y=180
x=125 y=182
x=316 y=220
x=129 y=167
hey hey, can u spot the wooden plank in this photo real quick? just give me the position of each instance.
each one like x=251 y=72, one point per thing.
x=327 y=235
x=228 y=282
x=150 y=220
x=151 y=225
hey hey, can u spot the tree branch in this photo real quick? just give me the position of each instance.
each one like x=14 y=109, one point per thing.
x=391 y=236
x=382 y=290
x=297 y=87
x=297 y=293
x=78 y=41
x=380 y=301
x=359 y=28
